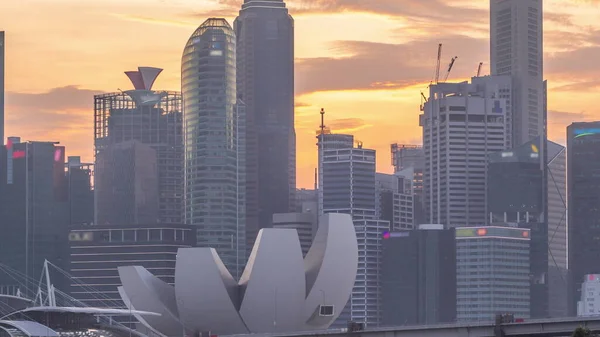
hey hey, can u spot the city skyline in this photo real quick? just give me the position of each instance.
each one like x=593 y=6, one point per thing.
x=57 y=88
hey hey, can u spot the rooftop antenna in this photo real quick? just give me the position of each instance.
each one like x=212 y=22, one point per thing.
x=322 y=121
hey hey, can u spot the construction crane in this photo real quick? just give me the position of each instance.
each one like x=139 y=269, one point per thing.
x=423 y=101
x=437 y=67
x=450 y=68
x=479 y=69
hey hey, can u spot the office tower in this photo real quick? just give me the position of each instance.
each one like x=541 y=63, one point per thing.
x=589 y=305
x=347 y=184
x=348 y=181
x=462 y=123
x=557 y=229
x=80 y=192
x=307 y=201
x=396 y=199
x=265 y=81
x=412 y=157
x=303 y=223
x=419 y=276
x=127 y=184
x=365 y=302
x=492 y=272
x=97 y=251
x=516 y=49
x=150 y=117
x=583 y=191
x=35 y=222
x=515 y=197
x=215 y=149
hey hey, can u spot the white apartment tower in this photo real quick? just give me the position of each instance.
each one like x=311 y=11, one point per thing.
x=516 y=49
x=462 y=124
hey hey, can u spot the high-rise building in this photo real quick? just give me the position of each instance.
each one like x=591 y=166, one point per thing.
x=265 y=81
x=589 y=303
x=126 y=184
x=557 y=229
x=516 y=49
x=462 y=123
x=35 y=221
x=347 y=184
x=150 y=117
x=583 y=191
x=406 y=157
x=515 y=197
x=396 y=199
x=215 y=149
x=492 y=272
x=419 y=276
x=347 y=181
x=81 y=194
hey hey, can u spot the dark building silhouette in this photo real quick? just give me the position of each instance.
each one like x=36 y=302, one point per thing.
x=80 y=192
x=516 y=197
x=583 y=177
x=265 y=80
x=35 y=213
x=150 y=117
x=126 y=184
x=419 y=276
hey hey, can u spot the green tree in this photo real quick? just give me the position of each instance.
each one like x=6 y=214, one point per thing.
x=583 y=332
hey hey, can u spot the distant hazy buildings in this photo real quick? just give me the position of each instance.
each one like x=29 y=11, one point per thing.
x=35 y=221
x=153 y=118
x=97 y=251
x=405 y=157
x=589 y=304
x=81 y=194
x=127 y=184
x=583 y=168
x=516 y=49
x=265 y=81
x=396 y=199
x=462 y=123
x=418 y=284
x=492 y=272
x=215 y=149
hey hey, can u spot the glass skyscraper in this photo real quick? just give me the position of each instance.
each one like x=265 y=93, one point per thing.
x=265 y=70
x=214 y=140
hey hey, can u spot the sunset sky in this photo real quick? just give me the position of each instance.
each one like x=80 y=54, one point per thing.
x=364 y=61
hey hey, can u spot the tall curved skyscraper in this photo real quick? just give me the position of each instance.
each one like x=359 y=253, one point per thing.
x=214 y=137
x=265 y=80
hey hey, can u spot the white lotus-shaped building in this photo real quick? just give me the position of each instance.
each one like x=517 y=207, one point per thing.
x=279 y=291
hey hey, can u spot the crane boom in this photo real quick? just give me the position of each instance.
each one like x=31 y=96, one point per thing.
x=479 y=69
x=437 y=67
x=450 y=67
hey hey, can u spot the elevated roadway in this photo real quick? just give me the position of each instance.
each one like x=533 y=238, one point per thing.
x=535 y=327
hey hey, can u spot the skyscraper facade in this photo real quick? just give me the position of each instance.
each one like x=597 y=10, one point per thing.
x=35 y=222
x=153 y=118
x=462 y=124
x=215 y=146
x=265 y=81
x=81 y=194
x=516 y=49
x=583 y=191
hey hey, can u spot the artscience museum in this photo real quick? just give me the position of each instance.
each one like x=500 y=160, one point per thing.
x=279 y=290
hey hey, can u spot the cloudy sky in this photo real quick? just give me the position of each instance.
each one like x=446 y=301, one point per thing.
x=364 y=61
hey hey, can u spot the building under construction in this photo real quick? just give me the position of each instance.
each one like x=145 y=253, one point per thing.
x=153 y=118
